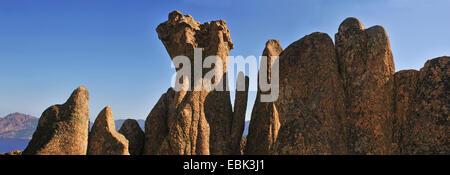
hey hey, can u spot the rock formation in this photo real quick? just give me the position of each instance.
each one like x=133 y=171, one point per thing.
x=347 y=100
x=196 y=121
x=405 y=85
x=242 y=146
x=135 y=136
x=240 y=108
x=104 y=139
x=367 y=68
x=311 y=101
x=63 y=129
x=425 y=104
x=334 y=99
x=11 y=153
x=157 y=127
x=264 y=125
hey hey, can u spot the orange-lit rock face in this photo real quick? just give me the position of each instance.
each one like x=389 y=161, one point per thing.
x=428 y=122
x=366 y=66
x=311 y=102
x=104 y=139
x=63 y=129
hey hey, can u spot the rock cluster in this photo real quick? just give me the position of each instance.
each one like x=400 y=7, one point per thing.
x=347 y=99
x=342 y=98
x=64 y=130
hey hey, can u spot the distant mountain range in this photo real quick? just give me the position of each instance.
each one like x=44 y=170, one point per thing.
x=18 y=125
x=22 y=126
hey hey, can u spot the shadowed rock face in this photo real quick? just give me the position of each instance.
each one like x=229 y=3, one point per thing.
x=311 y=101
x=156 y=126
x=63 y=129
x=367 y=67
x=196 y=122
x=240 y=108
x=264 y=125
x=134 y=134
x=104 y=139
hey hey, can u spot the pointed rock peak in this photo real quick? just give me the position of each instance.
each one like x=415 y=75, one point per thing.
x=134 y=134
x=104 y=139
x=351 y=23
x=105 y=119
x=130 y=123
x=79 y=96
x=170 y=91
x=272 y=43
x=273 y=48
x=63 y=129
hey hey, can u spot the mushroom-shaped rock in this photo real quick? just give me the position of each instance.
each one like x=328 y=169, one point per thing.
x=135 y=136
x=104 y=139
x=199 y=121
x=63 y=129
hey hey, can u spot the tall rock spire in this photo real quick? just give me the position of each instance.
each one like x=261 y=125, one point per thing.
x=264 y=124
x=367 y=67
x=200 y=121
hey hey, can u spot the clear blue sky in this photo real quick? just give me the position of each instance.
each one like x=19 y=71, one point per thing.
x=49 y=47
